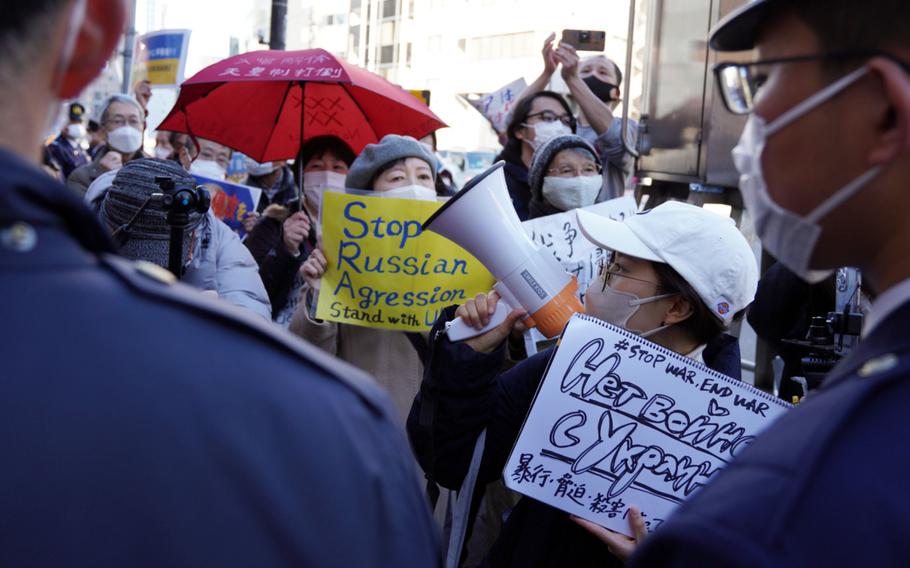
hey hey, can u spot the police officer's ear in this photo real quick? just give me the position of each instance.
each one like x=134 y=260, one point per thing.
x=98 y=35
x=893 y=138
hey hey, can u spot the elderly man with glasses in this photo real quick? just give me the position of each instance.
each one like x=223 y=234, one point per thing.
x=123 y=124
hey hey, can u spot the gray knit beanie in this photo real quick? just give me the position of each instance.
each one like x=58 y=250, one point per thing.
x=544 y=155
x=390 y=149
x=148 y=238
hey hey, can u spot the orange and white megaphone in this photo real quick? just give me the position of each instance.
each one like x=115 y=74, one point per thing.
x=480 y=219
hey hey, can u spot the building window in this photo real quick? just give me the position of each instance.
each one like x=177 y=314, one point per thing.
x=355 y=39
x=408 y=55
x=389 y=8
x=387 y=33
x=387 y=54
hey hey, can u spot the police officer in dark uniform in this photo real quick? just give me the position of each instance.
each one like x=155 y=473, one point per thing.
x=144 y=425
x=825 y=163
x=66 y=149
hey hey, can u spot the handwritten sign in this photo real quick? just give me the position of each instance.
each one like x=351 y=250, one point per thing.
x=231 y=201
x=580 y=257
x=384 y=271
x=497 y=105
x=560 y=234
x=621 y=421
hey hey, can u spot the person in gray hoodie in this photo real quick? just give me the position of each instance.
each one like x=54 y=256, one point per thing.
x=214 y=259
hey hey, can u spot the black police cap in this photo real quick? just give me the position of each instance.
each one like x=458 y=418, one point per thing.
x=738 y=31
x=77 y=111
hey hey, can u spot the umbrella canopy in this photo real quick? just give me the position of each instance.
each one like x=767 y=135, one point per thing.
x=266 y=104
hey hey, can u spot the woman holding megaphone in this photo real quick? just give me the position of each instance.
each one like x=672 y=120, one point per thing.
x=679 y=276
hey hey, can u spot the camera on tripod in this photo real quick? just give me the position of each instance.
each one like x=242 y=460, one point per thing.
x=830 y=338
x=179 y=203
x=184 y=200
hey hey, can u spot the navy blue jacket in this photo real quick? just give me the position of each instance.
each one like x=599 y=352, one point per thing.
x=464 y=392
x=68 y=155
x=516 y=174
x=827 y=485
x=145 y=425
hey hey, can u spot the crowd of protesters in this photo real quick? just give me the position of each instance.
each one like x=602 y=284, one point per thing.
x=286 y=429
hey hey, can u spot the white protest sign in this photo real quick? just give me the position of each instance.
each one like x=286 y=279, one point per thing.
x=621 y=421
x=580 y=257
x=497 y=105
x=560 y=234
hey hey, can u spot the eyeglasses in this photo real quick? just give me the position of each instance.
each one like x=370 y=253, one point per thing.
x=739 y=83
x=609 y=274
x=118 y=121
x=569 y=171
x=550 y=116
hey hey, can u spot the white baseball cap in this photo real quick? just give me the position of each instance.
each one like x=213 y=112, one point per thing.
x=706 y=249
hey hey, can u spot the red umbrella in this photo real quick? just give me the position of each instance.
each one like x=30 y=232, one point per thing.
x=267 y=103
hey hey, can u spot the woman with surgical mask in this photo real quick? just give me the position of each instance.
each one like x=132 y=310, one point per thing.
x=397 y=167
x=324 y=162
x=679 y=276
x=565 y=174
x=285 y=235
x=536 y=120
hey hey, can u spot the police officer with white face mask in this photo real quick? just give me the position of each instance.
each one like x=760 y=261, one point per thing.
x=825 y=164
x=67 y=149
x=145 y=424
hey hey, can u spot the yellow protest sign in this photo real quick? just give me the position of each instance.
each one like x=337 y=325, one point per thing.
x=383 y=271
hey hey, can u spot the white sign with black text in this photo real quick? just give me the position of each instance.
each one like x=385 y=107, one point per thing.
x=620 y=421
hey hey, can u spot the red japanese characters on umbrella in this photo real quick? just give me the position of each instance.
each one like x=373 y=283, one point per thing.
x=267 y=103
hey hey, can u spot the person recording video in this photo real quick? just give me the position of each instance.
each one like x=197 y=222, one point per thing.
x=214 y=259
x=594 y=84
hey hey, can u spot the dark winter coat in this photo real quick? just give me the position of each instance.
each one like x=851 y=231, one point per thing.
x=463 y=393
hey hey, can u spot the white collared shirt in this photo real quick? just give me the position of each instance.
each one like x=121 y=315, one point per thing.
x=698 y=354
x=885 y=304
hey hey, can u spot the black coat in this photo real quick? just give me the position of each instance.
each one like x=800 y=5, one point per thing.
x=463 y=393
x=147 y=425
x=277 y=267
x=516 y=174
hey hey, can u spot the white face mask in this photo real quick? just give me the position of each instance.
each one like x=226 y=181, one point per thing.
x=417 y=192
x=317 y=183
x=125 y=139
x=256 y=169
x=617 y=307
x=571 y=193
x=162 y=153
x=77 y=18
x=208 y=169
x=75 y=132
x=546 y=131
x=789 y=237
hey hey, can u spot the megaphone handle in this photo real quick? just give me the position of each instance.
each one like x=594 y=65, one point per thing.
x=458 y=330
